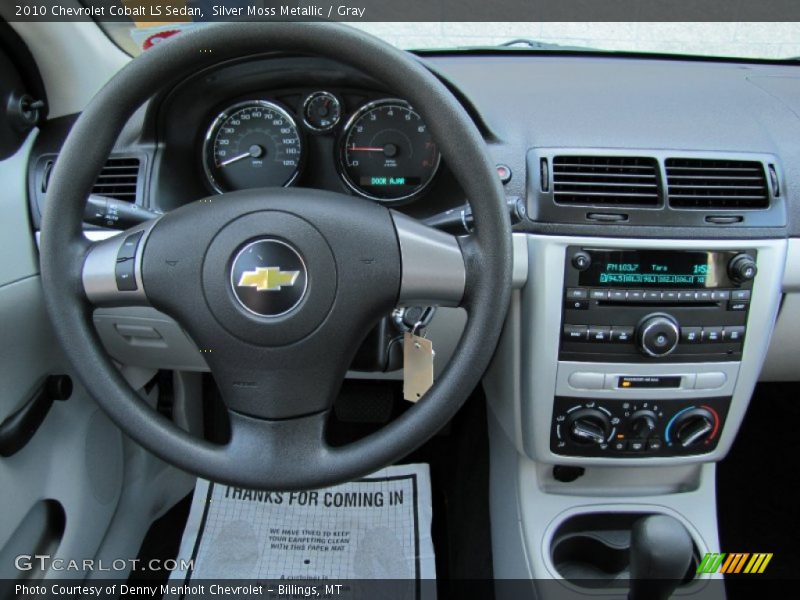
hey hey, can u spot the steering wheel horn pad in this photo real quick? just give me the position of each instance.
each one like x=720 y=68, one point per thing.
x=278 y=374
x=292 y=364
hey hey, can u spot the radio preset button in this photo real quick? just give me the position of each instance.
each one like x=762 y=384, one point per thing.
x=575 y=333
x=721 y=295
x=577 y=294
x=652 y=296
x=686 y=296
x=621 y=334
x=703 y=296
x=733 y=334
x=669 y=296
x=617 y=295
x=635 y=295
x=691 y=335
x=599 y=333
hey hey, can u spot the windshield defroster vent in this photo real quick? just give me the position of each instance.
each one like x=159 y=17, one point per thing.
x=606 y=180
x=713 y=183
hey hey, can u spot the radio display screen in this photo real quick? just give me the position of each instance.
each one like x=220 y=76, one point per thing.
x=657 y=268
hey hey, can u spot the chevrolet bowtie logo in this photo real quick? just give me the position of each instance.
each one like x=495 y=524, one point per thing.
x=268 y=279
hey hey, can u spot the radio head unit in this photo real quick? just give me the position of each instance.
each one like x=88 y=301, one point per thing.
x=634 y=305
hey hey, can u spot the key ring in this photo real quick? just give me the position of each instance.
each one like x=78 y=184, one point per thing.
x=417 y=327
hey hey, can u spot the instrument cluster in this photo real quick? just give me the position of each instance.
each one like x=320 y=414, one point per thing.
x=382 y=148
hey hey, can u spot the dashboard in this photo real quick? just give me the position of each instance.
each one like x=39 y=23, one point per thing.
x=629 y=158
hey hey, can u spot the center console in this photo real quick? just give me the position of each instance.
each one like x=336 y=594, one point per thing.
x=625 y=368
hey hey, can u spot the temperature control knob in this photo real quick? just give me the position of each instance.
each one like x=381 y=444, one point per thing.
x=742 y=268
x=693 y=427
x=588 y=426
x=657 y=335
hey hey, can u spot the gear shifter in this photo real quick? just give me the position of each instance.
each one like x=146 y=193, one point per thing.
x=661 y=550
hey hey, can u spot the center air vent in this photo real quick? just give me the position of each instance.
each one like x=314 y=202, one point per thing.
x=119 y=178
x=606 y=180
x=720 y=184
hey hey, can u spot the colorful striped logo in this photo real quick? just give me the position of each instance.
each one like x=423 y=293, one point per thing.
x=737 y=562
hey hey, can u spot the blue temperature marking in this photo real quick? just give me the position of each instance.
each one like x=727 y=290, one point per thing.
x=672 y=420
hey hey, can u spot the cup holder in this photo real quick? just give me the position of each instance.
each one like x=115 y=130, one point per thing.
x=593 y=550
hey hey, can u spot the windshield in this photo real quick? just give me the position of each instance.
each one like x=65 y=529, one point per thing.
x=746 y=40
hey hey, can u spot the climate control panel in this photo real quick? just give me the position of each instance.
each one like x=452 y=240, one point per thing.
x=636 y=428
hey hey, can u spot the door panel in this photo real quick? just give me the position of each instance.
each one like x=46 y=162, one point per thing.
x=75 y=460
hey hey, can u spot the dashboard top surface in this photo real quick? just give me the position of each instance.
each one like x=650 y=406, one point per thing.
x=519 y=103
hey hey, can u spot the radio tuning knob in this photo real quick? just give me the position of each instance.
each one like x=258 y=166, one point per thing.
x=742 y=267
x=588 y=426
x=657 y=335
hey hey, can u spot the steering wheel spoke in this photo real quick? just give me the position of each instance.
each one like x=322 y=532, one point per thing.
x=112 y=270
x=433 y=267
x=284 y=383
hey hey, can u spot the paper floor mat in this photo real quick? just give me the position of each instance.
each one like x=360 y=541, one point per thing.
x=378 y=527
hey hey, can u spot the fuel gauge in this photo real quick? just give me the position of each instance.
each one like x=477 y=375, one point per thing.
x=321 y=111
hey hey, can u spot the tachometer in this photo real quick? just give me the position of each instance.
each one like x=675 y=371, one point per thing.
x=387 y=153
x=252 y=144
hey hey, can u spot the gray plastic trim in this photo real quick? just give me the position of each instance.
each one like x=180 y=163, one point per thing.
x=99 y=281
x=433 y=266
x=20 y=256
x=791 y=276
x=144 y=337
x=568 y=372
x=519 y=275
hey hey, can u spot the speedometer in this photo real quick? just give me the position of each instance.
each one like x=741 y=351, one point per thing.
x=252 y=144
x=387 y=153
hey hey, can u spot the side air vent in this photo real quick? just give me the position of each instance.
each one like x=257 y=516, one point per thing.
x=720 y=184
x=606 y=180
x=119 y=178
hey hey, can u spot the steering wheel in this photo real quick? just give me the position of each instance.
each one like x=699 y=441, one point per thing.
x=277 y=287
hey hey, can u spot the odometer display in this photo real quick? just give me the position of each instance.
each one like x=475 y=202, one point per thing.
x=387 y=153
x=252 y=144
